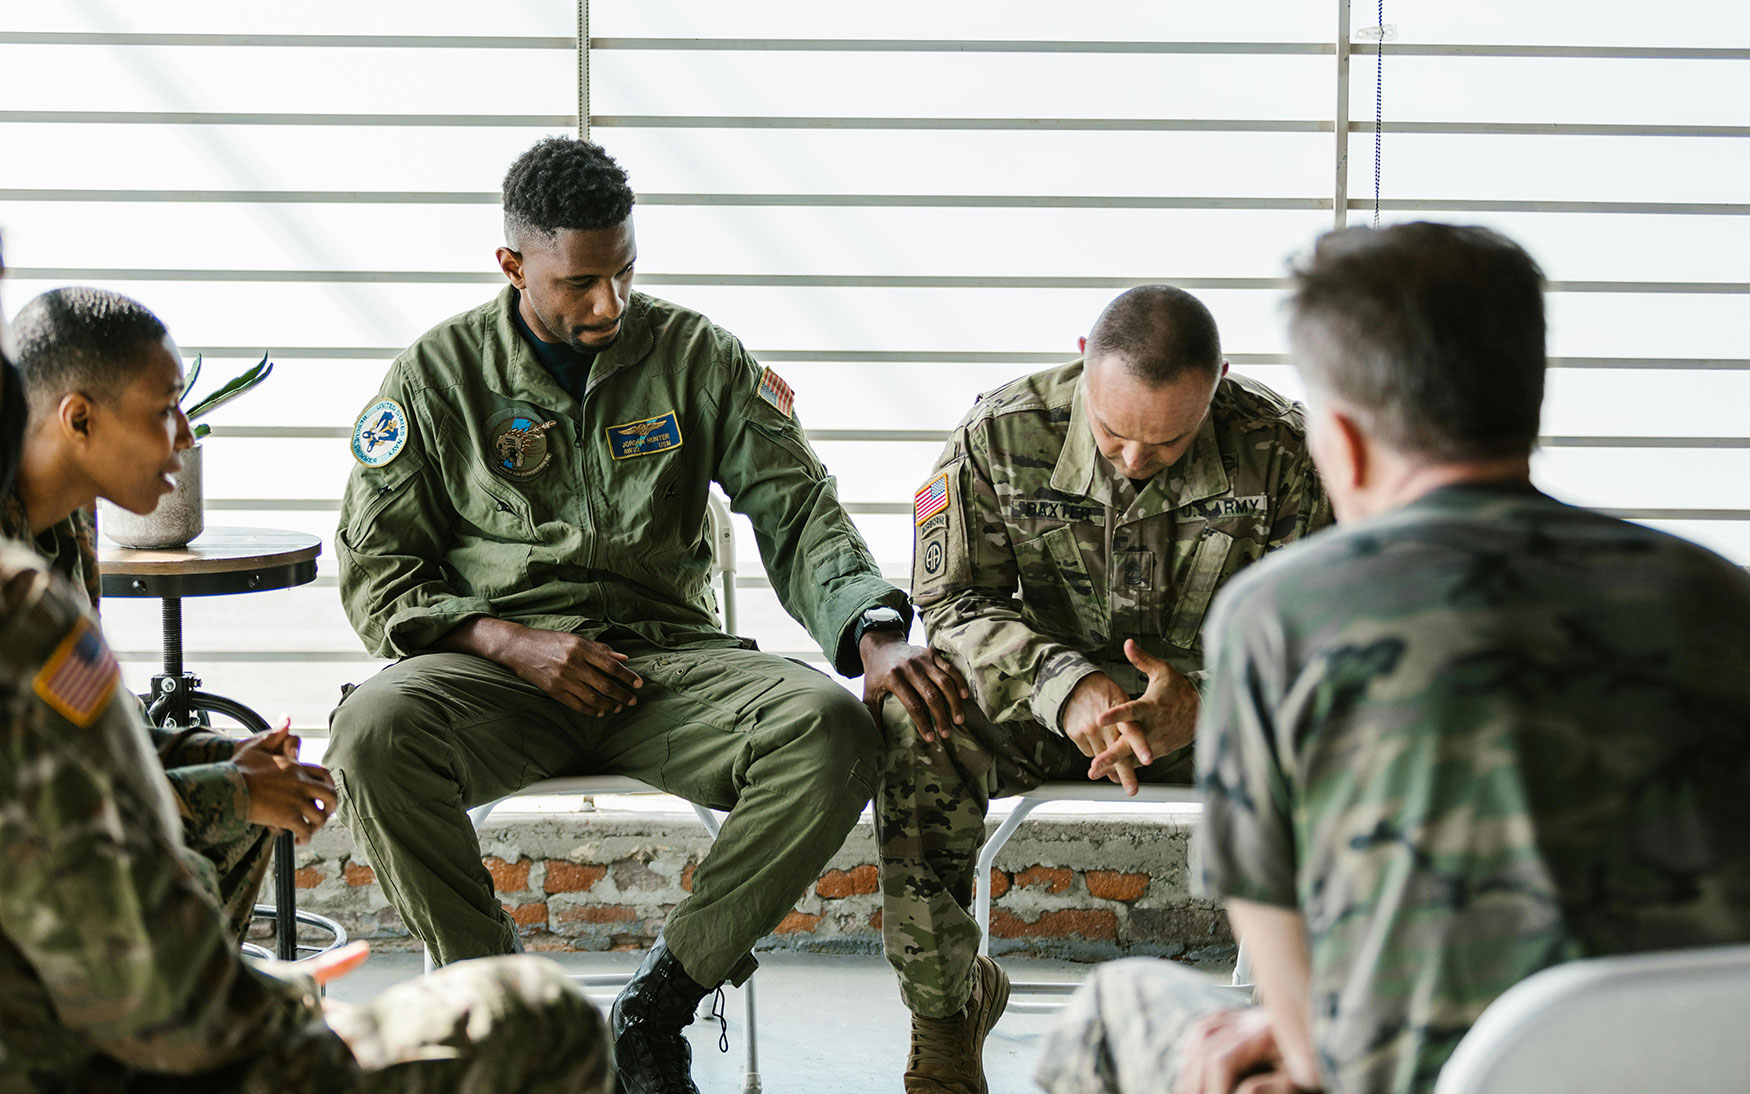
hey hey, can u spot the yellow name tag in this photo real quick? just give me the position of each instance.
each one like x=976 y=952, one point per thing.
x=643 y=438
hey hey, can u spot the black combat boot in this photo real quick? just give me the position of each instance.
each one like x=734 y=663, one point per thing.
x=651 y=1054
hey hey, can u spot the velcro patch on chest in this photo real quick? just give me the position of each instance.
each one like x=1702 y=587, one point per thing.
x=517 y=444
x=79 y=677
x=1252 y=505
x=644 y=438
x=932 y=499
x=774 y=390
x=1073 y=512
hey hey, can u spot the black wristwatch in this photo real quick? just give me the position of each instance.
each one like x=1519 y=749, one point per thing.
x=877 y=619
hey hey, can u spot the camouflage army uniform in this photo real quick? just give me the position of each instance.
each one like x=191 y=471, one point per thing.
x=1034 y=561
x=116 y=973
x=1482 y=735
x=485 y=488
x=211 y=794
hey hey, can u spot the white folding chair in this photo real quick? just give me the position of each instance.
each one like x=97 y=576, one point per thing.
x=723 y=564
x=1089 y=791
x=1675 y=1020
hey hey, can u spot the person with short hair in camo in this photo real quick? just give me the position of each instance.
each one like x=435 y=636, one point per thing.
x=1473 y=733
x=117 y=968
x=103 y=381
x=1067 y=545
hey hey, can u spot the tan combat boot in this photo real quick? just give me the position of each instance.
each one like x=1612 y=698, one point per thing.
x=947 y=1054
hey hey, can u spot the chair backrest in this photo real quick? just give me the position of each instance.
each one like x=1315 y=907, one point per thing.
x=1677 y=1020
x=723 y=554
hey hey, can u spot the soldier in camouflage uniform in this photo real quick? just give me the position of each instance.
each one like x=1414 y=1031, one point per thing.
x=1068 y=543
x=116 y=971
x=1474 y=735
x=99 y=369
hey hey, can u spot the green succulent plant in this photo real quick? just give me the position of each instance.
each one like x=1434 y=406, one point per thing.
x=238 y=385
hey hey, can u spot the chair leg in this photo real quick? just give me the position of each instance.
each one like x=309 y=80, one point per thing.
x=1242 y=969
x=750 y=1076
x=986 y=860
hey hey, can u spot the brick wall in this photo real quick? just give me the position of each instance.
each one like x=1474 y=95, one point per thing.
x=1079 y=888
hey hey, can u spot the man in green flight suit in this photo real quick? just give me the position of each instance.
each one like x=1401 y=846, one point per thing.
x=103 y=380
x=1068 y=543
x=526 y=531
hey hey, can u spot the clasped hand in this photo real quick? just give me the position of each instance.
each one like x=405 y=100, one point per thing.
x=1117 y=732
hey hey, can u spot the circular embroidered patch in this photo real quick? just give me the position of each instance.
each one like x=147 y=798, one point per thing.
x=381 y=433
x=933 y=557
x=516 y=444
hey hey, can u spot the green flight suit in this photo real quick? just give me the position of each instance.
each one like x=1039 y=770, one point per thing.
x=117 y=975
x=1035 y=560
x=506 y=496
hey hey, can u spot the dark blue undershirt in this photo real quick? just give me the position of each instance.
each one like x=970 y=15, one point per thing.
x=568 y=366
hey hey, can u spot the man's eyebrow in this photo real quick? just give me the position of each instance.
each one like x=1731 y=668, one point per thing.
x=1153 y=444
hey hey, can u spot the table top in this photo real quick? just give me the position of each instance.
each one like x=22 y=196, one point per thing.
x=220 y=561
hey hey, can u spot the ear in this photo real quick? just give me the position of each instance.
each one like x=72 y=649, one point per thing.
x=1354 y=449
x=512 y=264
x=73 y=417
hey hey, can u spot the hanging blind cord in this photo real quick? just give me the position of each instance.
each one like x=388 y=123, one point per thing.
x=582 y=70
x=1378 y=107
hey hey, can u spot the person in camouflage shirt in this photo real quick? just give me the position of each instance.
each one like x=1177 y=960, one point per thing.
x=1473 y=734
x=116 y=971
x=1067 y=545
x=103 y=380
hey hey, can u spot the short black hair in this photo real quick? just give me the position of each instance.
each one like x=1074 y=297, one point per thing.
x=82 y=339
x=1432 y=333
x=1160 y=332
x=563 y=182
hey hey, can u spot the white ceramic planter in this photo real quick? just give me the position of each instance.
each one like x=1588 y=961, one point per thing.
x=178 y=518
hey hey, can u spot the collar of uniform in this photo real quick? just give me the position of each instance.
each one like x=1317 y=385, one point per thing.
x=1080 y=467
x=629 y=348
x=1199 y=474
x=524 y=374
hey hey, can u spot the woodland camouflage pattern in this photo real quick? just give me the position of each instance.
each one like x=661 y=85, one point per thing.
x=1481 y=735
x=1043 y=562
x=117 y=973
x=211 y=795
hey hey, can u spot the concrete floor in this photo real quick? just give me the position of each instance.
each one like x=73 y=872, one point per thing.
x=826 y=1023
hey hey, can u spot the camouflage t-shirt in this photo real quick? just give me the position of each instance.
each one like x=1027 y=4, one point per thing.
x=1478 y=736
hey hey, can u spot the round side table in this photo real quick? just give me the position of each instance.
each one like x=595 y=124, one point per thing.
x=220 y=562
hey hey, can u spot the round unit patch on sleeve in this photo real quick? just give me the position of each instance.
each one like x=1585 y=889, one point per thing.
x=381 y=433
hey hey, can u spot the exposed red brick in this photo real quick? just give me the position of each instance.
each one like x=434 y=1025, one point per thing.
x=508 y=877
x=308 y=877
x=1055 y=878
x=798 y=923
x=687 y=876
x=1091 y=923
x=599 y=913
x=999 y=882
x=875 y=920
x=571 y=877
x=530 y=915
x=837 y=884
x=357 y=875
x=1113 y=885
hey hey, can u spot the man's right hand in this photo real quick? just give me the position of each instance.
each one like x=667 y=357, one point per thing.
x=1094 y=695
x=588 y=676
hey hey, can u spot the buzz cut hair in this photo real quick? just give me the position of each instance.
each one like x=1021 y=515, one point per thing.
x=1159 y=333
x=1431 y=334
x=563 y=183
x=80 y=339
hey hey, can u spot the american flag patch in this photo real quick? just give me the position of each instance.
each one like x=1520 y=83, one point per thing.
x=80 y=676
x=774 y=390
x=932 y=499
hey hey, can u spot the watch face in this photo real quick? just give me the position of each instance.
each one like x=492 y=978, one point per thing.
x=877 y=617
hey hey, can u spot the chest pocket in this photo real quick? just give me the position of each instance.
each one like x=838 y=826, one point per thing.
x=1058 y=589
x=1194 y=586
x=496 y=507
